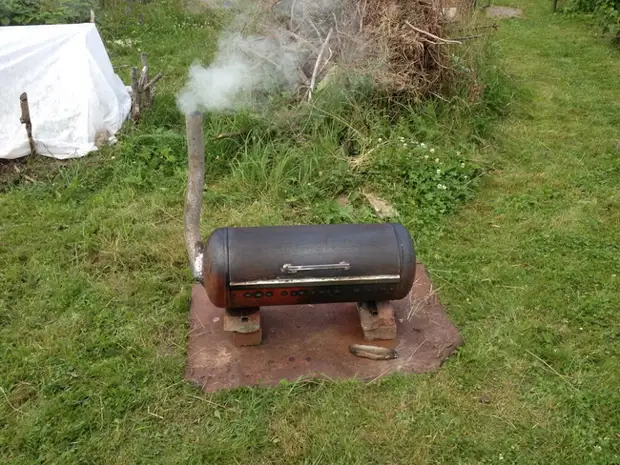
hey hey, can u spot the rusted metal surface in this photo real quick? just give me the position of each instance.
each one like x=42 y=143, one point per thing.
x=193 y=195
x=308 y=264
x=247 y=339
x=314 y=341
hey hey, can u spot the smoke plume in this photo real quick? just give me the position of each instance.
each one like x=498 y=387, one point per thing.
x=281 y=54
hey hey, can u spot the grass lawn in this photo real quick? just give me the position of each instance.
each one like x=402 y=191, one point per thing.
x=94 y=284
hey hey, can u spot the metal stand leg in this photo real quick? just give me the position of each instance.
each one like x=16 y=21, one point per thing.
x=244 y=324
x=377 y=320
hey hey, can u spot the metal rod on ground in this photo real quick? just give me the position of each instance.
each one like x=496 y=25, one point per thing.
x=195 y=185
x=25 y=119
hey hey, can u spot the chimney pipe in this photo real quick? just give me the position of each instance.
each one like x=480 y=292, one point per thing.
x=193 y=197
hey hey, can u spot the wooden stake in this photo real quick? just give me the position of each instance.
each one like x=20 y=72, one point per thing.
x=25 y=119
x=142 y=88
x=144 y=78
x=92 y=16
x=135 y=91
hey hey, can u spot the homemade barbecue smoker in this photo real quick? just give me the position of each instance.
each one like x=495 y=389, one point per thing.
x=243 y=269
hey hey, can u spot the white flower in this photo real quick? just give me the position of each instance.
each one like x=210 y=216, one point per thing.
x=405 y=144
x=379 y=140
x=462 y=165
x=436 y=160
x=501 y=456
x=432 y=150
x=401 y=138
x=439 y=186
x=423 y=145
x=438 y=171
x=458 y=154
x=426 y=157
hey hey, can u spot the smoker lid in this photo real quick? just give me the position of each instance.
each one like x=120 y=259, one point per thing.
x=315 y=254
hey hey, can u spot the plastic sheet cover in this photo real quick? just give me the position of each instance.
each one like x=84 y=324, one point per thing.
x=75 y=97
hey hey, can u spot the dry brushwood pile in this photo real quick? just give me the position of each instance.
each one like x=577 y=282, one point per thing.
x=399 y=43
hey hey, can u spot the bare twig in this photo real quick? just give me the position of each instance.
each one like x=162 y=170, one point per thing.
x=316 y=64
x=331 y=53
x=318 y=33
x=467 y=37
x=432 y=36
x=291 y=26
x=492 y=26
x=362 y=13
x=152 y=82
x=296 y=36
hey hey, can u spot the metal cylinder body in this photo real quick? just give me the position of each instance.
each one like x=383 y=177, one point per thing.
x=306 y=264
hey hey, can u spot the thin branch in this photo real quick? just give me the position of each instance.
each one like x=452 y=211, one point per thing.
x=362 y=13
x=152 y=82
x=331 y=53
x=316 y=64
x=467 y=37
x=432 y=36
x=292 y=15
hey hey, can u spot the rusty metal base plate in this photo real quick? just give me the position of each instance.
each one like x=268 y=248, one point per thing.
x=313 y=341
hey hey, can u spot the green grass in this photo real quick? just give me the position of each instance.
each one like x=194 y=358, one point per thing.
x=94 y=284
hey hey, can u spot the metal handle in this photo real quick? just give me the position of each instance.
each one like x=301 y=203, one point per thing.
x=289 y=268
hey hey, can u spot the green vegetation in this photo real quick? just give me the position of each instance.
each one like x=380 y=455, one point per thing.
x=23 y=12
x=605 y=12
x=522 y=244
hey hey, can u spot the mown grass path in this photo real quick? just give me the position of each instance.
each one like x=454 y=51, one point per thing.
x=92 y=345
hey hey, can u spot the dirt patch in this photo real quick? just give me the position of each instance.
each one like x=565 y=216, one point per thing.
x=504 y=12
x=313 y=341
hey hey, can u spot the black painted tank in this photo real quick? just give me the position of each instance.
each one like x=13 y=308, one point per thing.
x=308 y=264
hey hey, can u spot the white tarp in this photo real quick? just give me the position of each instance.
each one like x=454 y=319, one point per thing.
x=73 y=92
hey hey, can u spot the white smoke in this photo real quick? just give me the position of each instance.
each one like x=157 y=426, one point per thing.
x=243 y=68
x=246 y=69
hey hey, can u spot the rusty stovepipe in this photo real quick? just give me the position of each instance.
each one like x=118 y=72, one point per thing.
x=193 y=197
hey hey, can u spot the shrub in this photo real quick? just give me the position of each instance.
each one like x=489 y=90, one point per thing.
x=22 y=12
x=606 y=12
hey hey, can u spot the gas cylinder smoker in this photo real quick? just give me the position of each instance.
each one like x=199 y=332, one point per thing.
x=245 y=268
